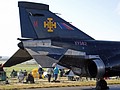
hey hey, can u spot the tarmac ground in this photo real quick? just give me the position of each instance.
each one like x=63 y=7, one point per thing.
x=111 y=87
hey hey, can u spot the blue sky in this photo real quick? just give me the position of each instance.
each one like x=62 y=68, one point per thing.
x=98 y=18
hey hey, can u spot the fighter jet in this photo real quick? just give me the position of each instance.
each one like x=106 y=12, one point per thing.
x=51 y=39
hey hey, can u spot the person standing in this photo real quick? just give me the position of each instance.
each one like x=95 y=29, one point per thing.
x=56 y=72
x=21 y=76
x=40 y=71
x=49 y=73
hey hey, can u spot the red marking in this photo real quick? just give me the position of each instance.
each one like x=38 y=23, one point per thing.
x=35 y=23
x=68 y=27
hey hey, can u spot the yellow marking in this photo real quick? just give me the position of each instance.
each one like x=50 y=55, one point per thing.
x=49 y=24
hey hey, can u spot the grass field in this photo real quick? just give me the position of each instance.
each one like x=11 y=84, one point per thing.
x=40 y=83
x=27 y=67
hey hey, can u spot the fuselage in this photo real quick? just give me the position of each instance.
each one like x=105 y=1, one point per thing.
x=108 y=51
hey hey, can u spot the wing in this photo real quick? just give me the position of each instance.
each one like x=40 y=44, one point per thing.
x=43 y=52
x=19 y=57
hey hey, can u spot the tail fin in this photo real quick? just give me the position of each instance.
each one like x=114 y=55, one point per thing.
x=38 y=22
